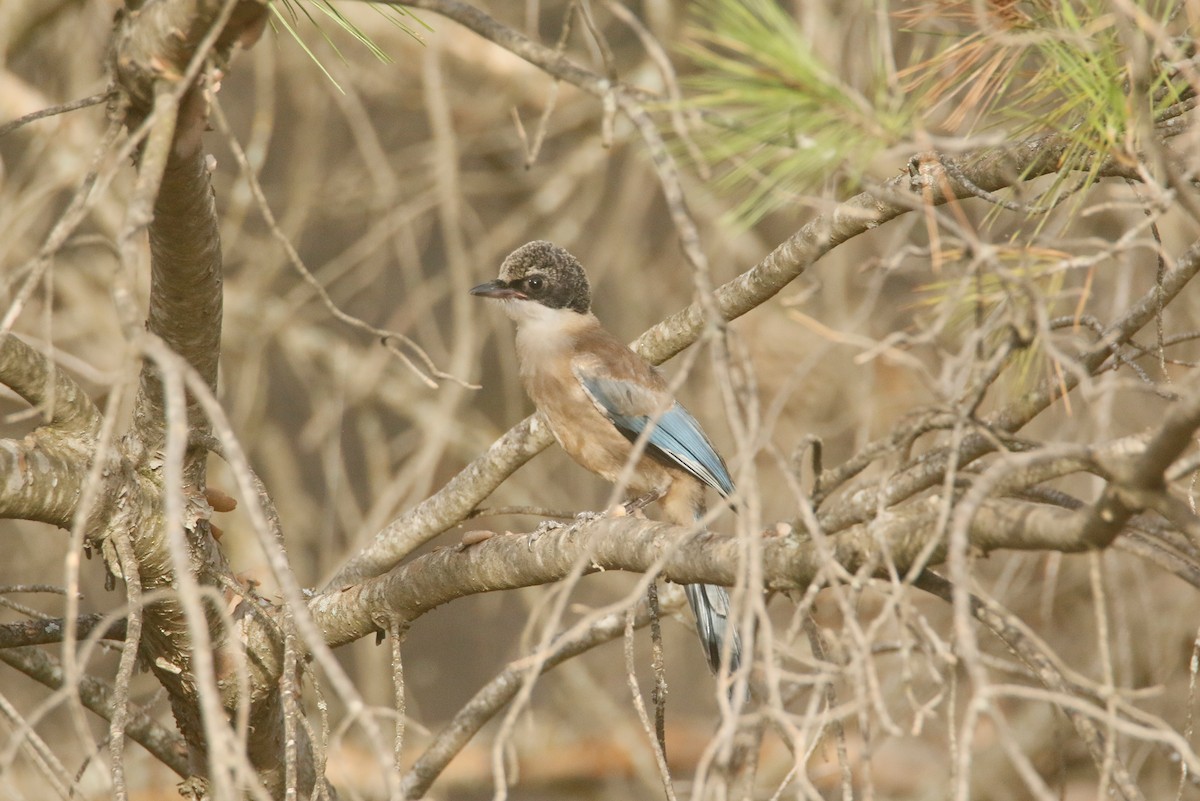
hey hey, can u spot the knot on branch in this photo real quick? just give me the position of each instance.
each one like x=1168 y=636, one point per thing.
x=157 y=41
x=130 y=508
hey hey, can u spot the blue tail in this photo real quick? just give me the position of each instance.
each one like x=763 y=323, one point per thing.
x=710 y=603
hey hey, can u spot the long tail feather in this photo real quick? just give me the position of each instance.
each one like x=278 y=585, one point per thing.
x=710 y=603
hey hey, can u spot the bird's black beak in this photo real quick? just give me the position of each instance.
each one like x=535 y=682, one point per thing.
x=499 y=290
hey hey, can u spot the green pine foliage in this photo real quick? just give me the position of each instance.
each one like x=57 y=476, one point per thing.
x=782 y=122
x=1072 y=67
x=286 y=14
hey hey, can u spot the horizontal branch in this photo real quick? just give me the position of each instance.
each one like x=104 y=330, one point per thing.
x=44 y=632
x=789 y=562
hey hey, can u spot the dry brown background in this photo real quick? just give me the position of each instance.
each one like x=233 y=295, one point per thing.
x=407 y=188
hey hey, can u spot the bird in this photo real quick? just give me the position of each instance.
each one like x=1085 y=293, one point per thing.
x=599 y=397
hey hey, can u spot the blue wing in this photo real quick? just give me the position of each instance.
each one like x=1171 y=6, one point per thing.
x=676 y=438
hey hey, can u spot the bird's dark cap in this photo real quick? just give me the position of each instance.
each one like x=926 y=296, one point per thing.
x=542 y=272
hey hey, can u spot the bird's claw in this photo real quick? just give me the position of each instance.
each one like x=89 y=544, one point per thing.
x=547 y=526
x=544 y=527
x=635 y=505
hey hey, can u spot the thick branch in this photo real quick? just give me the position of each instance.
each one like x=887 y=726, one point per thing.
x=159 y=51
x=788 y=562
x=158 y=40
x=36 y=379
x=42 y=478
x=931 y=185
x=185 y=292
x=44 y=472
x=185 y=258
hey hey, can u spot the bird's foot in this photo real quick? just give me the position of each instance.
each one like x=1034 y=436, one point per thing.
x=547 y=526
x=636 y=505
x=544 y=527
x=588 y=517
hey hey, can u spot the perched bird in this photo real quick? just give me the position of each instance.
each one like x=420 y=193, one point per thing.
x=598 y=397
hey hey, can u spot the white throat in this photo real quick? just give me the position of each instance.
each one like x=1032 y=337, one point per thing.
x=544 y=333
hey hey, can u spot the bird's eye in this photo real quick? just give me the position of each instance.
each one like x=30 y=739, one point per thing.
x=535 y=282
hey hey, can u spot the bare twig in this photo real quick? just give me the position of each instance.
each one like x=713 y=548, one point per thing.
x=61 y=108
x=386 y=337
x=490 y=699
x=657 y=739
x=166 y=746
x=1017 y=637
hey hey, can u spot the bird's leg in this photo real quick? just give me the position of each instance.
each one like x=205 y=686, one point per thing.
x=642 y=501
x=627 y=509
